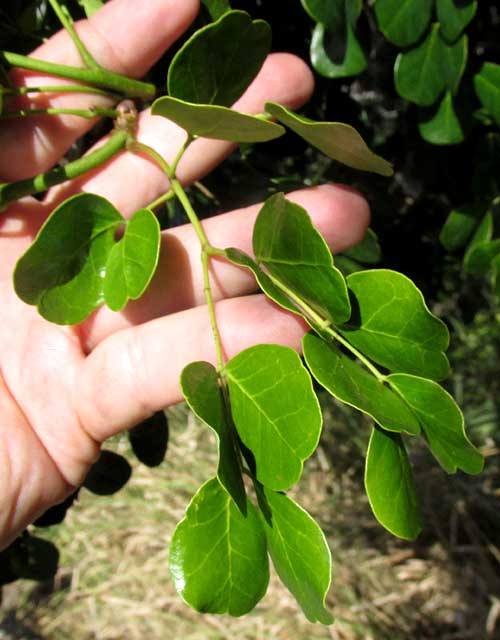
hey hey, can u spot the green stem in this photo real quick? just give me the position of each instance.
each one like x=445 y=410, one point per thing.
x=161 y=200
x=321 y=325
x=136 y=147
x=11 y=191
x=64 y=88
x=371 y=367
x=93 y=112
x=97 y=77
x=67 y=22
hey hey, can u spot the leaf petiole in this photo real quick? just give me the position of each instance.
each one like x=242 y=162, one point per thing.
x=93 y=112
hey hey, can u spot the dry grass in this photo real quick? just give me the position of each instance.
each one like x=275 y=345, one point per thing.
x=114 y=584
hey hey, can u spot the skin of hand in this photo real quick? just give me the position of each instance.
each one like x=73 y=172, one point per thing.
x=64 y=390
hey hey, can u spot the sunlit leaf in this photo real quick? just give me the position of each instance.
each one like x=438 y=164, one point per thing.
x=200 y=387
x=108 y=475
x=349 y=382
x=441 y=421
x=62 y=272
x=403 y=21
x=219 y=61
x=338 y=141
x=91 y=6
x=299 y=552
x=334 y=54
x=212 y=121
x=132 y=261
x=275 y=411
x=487 y=86
x=293 y=251
x=454 y=16
x=392 y=325
x=389 y=485
x=217 y=8
x=149 y=439
x=218 y=557
x=444 y=126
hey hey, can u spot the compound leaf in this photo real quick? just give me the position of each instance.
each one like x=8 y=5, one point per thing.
x=213 y=121
x=293 y=251
x=219 y=61
x=200 y=387
x=444 y=126
x=275 y=411
x=218 y=557
x=441 y=421
x=403 y=21
x=336 y=54
x=62 y=272
x=350 y=383
x=454 y=16
x=418 y=73
x=389 y=485
x=392 y=325
x=299 y=552
x=132 y=261
x=338 y=141
x=108 y=475
x=149 y=439
x=487 y=86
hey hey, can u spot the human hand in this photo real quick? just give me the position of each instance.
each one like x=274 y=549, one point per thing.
x=64 y=390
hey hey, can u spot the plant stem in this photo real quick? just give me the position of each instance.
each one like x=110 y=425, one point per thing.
x=161 y=200
x=67 y=22
x=323 y=325
x=11 y=191
x=136 y=147
x=93 y=112
x=64 y=88
x=97 y=77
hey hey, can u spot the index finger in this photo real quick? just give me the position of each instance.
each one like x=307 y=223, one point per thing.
x=126 y=37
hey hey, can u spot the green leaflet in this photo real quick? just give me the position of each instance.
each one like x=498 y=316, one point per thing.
x=367 y=251
x=460 y=224
x=132 y=261
x=149 y=439
x=217 y=8
x=91 y=6
x=271 y=290
x=481 y=250
x=212 y=121
x=275 y=411
x=442 y=422
x=74 y=265
x=392 y=325
x=424 y=72
x=403 y=21
x=299 y=552
x=215 y=65
x=389 y=485
x=287 y=244
x=487 y=86
x=444 y=126
x=200 y=387
x=334 y=54
x=349 y=382
x=329 y=12
x=454 y=16
x=336 y=140
x=218 y=557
